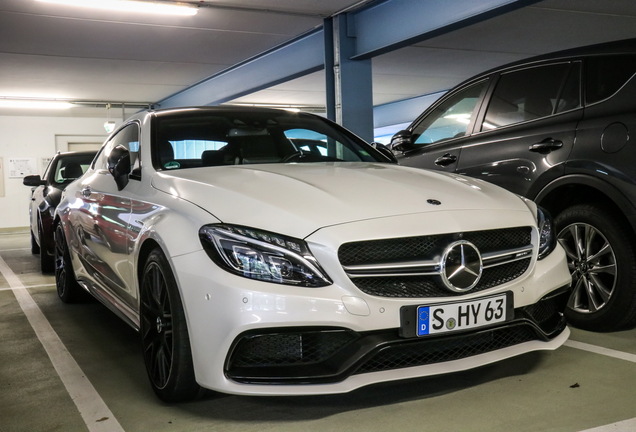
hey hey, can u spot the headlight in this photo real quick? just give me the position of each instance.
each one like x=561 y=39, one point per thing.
x=547 y=242
x=262 y=255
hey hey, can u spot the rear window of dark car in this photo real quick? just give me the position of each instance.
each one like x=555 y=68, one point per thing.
x=605 y=75
x=526 y=94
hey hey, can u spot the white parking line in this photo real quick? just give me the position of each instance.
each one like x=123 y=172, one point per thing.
x=624 y=426
x=600 y=350
x=96 y=414
x=27 y=287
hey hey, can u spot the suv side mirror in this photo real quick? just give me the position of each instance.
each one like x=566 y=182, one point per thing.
x=119 y=165
x=385 y=151
x=33 y=181
x=402 y=141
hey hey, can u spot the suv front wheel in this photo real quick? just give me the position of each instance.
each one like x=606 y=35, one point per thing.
x=603 y=266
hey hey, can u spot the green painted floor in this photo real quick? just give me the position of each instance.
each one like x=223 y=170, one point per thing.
x=564 y=390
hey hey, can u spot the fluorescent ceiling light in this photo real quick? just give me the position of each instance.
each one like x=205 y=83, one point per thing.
x=34 y=104
x=160 y=7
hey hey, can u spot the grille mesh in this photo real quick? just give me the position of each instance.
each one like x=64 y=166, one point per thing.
x=542 y=311
x=290 y=348
x=425 y=247
x=424 y=352
x=431 y=248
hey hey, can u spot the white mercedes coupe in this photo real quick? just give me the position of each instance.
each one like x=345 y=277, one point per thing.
x=264 y=252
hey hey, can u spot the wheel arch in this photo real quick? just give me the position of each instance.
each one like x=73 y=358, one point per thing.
x=147 y=247
x=584 y=189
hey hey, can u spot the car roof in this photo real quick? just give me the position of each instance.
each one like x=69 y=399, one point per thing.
x=625 y=46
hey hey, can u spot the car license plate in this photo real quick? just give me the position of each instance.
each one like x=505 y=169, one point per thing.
x=462 y=315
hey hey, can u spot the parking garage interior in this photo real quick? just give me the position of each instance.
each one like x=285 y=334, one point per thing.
x=371 y=66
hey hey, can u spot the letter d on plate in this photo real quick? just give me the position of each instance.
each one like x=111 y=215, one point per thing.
x=423 y=319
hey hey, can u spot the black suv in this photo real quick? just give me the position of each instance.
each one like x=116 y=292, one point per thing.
x=558 y=129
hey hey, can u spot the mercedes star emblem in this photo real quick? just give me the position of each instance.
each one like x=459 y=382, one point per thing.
x=461 y=266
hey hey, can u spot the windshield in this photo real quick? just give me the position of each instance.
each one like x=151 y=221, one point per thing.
x=199 y=138
x=67 y=168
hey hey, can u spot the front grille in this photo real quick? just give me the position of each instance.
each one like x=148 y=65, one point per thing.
x=424 y=352
x=424 y=247
x=431 y=286
x=429 y=249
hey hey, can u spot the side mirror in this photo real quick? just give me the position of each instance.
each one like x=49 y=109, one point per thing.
x=119 y=165
x=402 y=141
x=385 y=151
x=33 y=181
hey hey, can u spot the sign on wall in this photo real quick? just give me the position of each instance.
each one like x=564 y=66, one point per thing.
x=21 y=167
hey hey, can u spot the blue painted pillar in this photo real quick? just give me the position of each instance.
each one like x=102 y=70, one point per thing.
x=330 y=81
x=352 y=87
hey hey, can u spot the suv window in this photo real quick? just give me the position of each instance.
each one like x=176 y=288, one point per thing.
x=525 y=95
x=606 y=74
x=451 y=118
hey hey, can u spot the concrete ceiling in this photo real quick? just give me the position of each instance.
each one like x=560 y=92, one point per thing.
x=54 y=51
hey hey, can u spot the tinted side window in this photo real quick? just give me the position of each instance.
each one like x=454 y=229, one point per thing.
x=571 y=93
x=604 y=75
x=451 y=118
x=525 y=95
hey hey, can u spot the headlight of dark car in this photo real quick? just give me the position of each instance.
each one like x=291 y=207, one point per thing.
x=262 y=255
x=547 y=242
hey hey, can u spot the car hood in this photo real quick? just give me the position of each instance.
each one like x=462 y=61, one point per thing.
x=298 y=199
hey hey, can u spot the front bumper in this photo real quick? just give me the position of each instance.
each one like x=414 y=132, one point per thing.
x=331 y=355
x=247 y=335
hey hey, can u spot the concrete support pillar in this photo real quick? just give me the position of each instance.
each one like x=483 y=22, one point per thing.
x=350 y=82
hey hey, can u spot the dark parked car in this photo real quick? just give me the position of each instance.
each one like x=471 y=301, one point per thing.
x=558 y=129
x=45 y=196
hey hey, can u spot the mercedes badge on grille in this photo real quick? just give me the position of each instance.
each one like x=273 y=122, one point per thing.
x=461 y=266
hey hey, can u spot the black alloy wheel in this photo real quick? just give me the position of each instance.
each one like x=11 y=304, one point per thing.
x=35 y=247
x=164 y=333
x=68 y=289
x=47 y=263
x=602 y=262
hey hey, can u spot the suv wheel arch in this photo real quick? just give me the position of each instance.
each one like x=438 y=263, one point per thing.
x=576 y=189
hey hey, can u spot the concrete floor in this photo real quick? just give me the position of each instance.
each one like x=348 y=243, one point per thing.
x=570 y=389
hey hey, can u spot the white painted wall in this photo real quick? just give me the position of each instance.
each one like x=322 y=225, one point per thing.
x=35 y=137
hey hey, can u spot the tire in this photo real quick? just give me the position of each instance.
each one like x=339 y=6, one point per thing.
x=164 y=333
x=68 y=290
x=603 y=268
x=47 y=262
x=35 y=247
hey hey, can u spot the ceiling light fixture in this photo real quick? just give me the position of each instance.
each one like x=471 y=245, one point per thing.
x=160 y=7
x=33 y=104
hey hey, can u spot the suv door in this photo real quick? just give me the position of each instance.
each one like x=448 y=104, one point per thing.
x=437 y=139
x=527 y=129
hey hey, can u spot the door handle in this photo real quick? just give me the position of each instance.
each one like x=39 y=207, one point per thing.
x=546 y=146
x=445 y=160
x=86 y=191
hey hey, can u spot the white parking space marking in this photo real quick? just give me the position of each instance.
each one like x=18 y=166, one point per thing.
x=603 y=351
x=624 y=426
x=9 y=250
x=27 y=287
x=96 y=415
